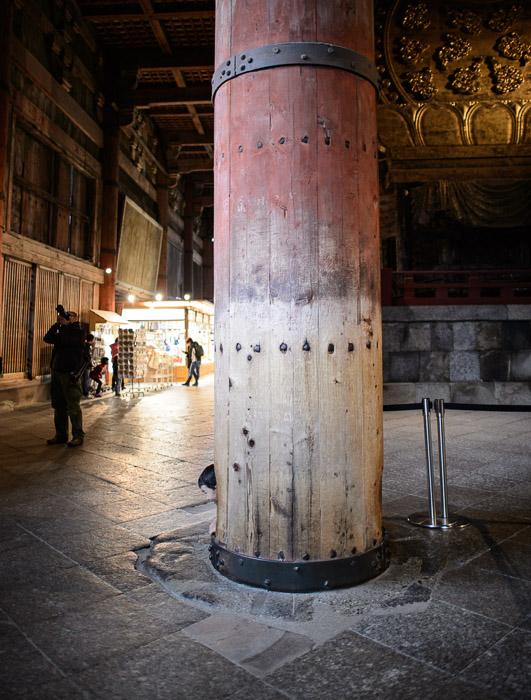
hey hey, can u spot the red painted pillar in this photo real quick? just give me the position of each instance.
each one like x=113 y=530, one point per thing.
x=298 y=409
x=109 y=219
x=6 y=16
x=162 y=204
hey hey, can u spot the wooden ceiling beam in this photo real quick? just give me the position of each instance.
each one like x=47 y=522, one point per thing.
x=190 y=165
x=156 y=26
x=168 y=96
x=188 y=138
x=193 y=58
x=182 y=12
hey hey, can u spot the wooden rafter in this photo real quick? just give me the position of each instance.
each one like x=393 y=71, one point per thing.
x=156 y=26
x=178 y=76
x=184 y=12
x=192 y=58
x=147 y=97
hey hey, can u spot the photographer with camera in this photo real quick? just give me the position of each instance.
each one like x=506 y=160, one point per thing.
x=68 y=363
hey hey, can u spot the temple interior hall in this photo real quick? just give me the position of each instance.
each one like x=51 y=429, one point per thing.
x=333 y=199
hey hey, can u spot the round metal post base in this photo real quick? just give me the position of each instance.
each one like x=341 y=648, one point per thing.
x=301 y=576
x=451 y=522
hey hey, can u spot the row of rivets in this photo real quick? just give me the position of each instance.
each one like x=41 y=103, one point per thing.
x=304 y=139
x=284 y=348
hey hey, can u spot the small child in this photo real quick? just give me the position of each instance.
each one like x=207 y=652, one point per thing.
x=96 y=374
x=207 y=483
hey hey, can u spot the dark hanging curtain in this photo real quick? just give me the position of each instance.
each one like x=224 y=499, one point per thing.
x=479 y=203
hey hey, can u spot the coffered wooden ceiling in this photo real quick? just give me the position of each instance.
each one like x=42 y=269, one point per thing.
x=456 y=75
x=162 y=52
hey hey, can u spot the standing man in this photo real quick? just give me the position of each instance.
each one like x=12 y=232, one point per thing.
x=90 y=341
x=68 y=340
x=194 y=352
x=116 y=379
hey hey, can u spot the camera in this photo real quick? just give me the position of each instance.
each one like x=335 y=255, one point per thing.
x=61 y=311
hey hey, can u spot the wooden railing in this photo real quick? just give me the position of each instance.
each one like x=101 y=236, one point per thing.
x=448 y=287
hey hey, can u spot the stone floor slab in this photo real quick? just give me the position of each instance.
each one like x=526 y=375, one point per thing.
x=83 y=638
x=351 y=666
x=53 y=593
x=172 y=667
x=502 y=598
x=506 y=666
x=98 y=543
x=259 y=648
x=442 y=635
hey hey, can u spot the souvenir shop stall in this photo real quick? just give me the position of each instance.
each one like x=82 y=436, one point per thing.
x=156 y=336
x=105 y=326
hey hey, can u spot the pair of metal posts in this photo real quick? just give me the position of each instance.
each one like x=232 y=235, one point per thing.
x=431 y=520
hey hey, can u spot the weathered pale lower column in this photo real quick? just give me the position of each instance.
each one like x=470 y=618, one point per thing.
x=298 y=413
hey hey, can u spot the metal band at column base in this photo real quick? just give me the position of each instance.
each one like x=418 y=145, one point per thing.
x=452 y=521
x=300 y=576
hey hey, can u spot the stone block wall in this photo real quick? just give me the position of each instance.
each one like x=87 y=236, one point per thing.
x=469 y=348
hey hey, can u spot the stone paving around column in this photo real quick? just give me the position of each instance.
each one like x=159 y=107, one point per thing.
x=107 y=591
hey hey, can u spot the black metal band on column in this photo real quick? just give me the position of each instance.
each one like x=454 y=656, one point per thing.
x=301 y=53
x=300 y=576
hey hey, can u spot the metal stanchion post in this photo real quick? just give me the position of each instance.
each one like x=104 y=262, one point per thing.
x=426 y=413
x=431 y=520
x=439 y=411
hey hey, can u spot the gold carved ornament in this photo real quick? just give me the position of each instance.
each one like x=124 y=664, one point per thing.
x=421 y=83
x=465 y=80
x=455 y=47
x=468 y=22
x=513 y=46
x=506 y=78
x=410 y=52
x=502 y=19
x=416 y=16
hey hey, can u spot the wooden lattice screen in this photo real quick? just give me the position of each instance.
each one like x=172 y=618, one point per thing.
x=31 y=294
x=86 y=302
x=46 y=296
x=16 y=315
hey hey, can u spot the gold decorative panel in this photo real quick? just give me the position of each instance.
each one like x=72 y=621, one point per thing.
x=440 y=39
x=454 y=74
x=490 y=124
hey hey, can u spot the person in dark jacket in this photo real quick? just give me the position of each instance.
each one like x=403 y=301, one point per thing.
x=68 y=357
x=193 y=352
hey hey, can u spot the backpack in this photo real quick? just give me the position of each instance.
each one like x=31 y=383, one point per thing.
x=199 y=352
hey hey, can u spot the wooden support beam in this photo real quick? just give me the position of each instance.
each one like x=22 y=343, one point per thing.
x=162 y=205
x=38 y=122
x=109 y=227
x=34 y=70
x=156 y=26
x=191 y=58
x=180 y=11
x=188 y=138
x=6 y=17
x=190 y=165
x=152 y=97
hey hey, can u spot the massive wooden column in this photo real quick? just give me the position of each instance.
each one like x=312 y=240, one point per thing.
x=109 y=223
x=298 y=411
x=6 y=15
